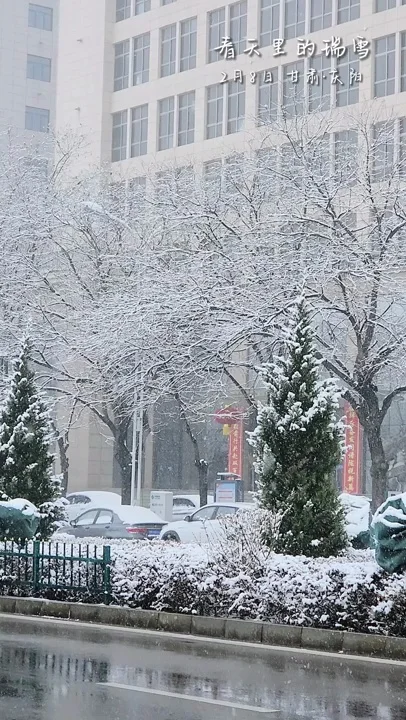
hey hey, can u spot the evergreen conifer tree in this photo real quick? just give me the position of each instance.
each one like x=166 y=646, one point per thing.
x=298 y=443
x=25 y=460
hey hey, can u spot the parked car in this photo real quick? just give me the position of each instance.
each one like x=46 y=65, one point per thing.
x=78 y=502
x=124 y=522
x=186 y=504
x=202 y=525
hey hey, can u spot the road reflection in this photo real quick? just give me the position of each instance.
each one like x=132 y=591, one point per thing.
x=66 y=682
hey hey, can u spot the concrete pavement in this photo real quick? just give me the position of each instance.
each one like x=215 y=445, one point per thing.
x=56 y=670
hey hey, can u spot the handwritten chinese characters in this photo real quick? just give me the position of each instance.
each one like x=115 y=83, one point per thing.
x=353 y=441
x=333 y=48
x=305 y=48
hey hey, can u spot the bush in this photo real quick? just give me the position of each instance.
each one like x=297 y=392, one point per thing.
x=349 y=593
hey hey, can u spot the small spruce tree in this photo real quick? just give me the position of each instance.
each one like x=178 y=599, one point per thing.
x=298 y=443
x=25 y=460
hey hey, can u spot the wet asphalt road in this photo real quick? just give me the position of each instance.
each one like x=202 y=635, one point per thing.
x=58 y=671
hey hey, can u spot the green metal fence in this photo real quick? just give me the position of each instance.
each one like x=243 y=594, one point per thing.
x=43 y=568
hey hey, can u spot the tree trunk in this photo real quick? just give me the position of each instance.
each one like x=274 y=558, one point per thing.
x=64 y=463
x=123 y=457
x=202 y=468
x=379 y=466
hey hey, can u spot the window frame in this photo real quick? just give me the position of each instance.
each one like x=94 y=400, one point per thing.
x=123 y=146
x=387 y=54
x=122 y=82
x=189 y=111
x=172 y=43
x=38 y=10
x=139 y=124
x=36 y=112
x=144 y=52
x=171 y=113
x=241 y=98
x=125 y=11
x=190 y=59
x=42 y=63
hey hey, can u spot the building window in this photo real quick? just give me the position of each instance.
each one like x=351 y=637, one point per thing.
x=168 y=50
x=345 y=156
x=232 y=173
x=186 y=118
x=321 y=14
x=119 y=137
x=348 y=10
x=235 y=107
x=217 y=30
x=238 y=25
x=383 y=149
x=142 y=6
x=402 y=147
x=214 y=110
x=347 y=67
x=167 y=2
x=123 y=10
x=121 y=65
x=166 y=113
x=36 y=119
x=293 y=88
x=269 y=22
x=141 y=51
x=212 y=172
x=136 y=189
x=139 y=130
x=266 y=169
x=403 y=62
x=39 y=68
x=295 y=14
x=188 y=44
x=385 y=66
x=319 y=83
x=268 y=96
x=40 y=17
x=381 y=5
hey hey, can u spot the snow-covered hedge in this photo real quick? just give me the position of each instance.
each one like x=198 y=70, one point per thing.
x=351 y=592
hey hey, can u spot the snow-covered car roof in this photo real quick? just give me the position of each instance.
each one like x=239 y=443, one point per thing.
x=26 y=507
x=98 y=496
x=195 y=499
x=240 y=505
x=137 y=514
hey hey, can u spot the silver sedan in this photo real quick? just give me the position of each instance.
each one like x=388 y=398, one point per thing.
x=125 y=521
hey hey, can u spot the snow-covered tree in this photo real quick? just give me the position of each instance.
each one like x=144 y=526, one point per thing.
x=25 y=459
x=298 y=444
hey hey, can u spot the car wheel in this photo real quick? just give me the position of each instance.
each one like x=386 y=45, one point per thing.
x=171 y=537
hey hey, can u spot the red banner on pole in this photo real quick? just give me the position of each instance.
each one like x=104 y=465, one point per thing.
x=235 y=448
x=352 y=460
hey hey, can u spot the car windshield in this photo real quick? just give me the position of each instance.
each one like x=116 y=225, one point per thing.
x=203 y=514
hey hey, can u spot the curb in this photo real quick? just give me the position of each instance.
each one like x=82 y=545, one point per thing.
x=250 y=631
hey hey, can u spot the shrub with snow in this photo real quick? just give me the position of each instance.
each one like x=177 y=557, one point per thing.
x=298 y=444
x=350 y=592
x=25 y=460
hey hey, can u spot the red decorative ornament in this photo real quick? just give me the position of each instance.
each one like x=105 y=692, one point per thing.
x=228 y=416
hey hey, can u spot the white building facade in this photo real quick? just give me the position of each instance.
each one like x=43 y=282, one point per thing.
x=28 y=66
x=152 y=83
